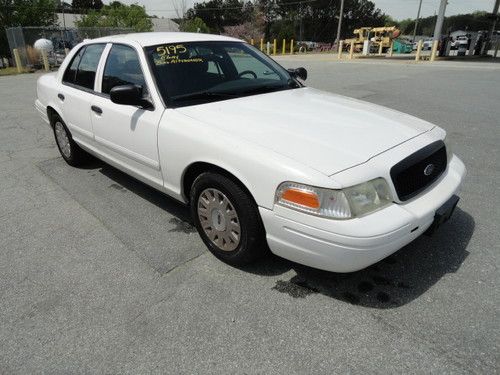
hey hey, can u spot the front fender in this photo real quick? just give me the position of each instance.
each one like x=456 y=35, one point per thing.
x=183 y=141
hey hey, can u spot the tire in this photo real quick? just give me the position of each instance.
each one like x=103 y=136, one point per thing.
x=227 y=219
x=70 y=151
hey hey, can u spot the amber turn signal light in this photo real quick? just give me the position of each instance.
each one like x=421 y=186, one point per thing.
x=301 y=197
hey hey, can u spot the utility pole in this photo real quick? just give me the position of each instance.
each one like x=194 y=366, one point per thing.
x=416 y=21
x=440 y=20
x=337 y=40
x=493 y=26
x=301 y=26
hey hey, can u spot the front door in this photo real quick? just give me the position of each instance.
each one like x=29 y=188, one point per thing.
x=127 y=134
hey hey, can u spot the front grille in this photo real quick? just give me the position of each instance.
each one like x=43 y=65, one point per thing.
x=414 y=173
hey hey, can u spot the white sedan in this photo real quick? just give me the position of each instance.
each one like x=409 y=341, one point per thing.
x=263 y=161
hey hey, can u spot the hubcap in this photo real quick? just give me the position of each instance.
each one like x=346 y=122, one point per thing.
x=219 y=219
x=62 y=139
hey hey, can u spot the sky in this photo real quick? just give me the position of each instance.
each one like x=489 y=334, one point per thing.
x=401 y=9
x=398 y=9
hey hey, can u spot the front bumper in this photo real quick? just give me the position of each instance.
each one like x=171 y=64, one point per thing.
x=351 y=245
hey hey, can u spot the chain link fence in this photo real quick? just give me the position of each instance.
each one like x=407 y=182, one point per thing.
x=57 y=41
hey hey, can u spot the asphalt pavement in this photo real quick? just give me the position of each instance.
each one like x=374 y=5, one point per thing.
x=102 y=274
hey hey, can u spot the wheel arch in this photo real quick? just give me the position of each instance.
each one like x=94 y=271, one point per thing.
x=195 y=169
x=51 y=112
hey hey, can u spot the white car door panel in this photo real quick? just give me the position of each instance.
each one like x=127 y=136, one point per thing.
x=77 y=91
x=126 y=133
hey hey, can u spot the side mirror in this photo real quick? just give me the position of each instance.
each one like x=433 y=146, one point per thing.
x=298 y=73
x=129 y=95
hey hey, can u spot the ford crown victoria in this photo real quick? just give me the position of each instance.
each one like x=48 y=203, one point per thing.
x=263 y=161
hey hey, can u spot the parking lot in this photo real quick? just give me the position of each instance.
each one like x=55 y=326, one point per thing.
x=100 y=273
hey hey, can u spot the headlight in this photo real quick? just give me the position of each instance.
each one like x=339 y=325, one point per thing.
x=341 y=204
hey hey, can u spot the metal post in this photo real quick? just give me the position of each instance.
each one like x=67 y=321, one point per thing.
x=380 y=48
x=440 y=20
x=341 y=15
x=493 y=26
x=262 y=44
x=45 y=60
x=341 y=47
x=301 y=26
x=351 y=50
x=391 y=48
x=17 y=59
x=251 y=41
x=283 y=48
x=268 y=48
x=434 y=50
x=419 y=49
x=291 y=47
x=274 y=46
x=416 y=21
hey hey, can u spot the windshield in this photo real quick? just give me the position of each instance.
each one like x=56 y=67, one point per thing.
x=200 y=72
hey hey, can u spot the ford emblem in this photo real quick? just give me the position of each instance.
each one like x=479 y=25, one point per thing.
x=429 y=169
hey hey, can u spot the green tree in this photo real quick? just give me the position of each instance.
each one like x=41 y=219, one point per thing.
x=472 y=22
x=319 y=19
x=389 y=21
x=217 y=14
x=24 y=13
x=81 y=6
x=194 y=25
x=117 y=14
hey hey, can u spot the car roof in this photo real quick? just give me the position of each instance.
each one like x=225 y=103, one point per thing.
x=154 y=38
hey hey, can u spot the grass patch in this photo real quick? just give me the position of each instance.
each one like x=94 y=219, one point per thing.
x=10 y=71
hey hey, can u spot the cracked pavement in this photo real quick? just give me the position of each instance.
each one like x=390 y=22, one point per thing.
x=102 y=274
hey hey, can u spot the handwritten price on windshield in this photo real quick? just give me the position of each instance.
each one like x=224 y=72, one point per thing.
x=171 y=49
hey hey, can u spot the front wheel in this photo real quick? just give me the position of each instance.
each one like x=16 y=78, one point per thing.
x=227 y=219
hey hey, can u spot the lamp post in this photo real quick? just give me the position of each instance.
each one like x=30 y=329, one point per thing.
x=339 y=27
x=440 y=20
x=416 y=21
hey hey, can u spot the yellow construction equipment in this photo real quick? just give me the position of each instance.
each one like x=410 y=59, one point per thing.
x=377 y=35
x=361 y=35
x=384 y=36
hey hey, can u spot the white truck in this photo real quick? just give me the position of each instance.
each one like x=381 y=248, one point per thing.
x=263 y=161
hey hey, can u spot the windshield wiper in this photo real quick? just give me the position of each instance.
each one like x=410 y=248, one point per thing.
x=202 y=95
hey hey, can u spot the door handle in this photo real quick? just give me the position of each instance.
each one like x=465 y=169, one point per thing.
x=61 y=96
x=96 y=109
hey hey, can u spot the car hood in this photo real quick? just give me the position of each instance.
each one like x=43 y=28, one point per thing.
x=324 y=131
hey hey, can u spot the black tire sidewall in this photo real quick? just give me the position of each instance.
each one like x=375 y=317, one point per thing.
x=77 y=156
x=252 y=237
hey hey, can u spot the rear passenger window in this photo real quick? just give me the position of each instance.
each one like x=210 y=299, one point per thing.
x=82 y=69
x=85 y=75
x=70 y=73
x=122 y=68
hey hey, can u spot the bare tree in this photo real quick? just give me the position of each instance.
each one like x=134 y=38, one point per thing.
x=180 y=7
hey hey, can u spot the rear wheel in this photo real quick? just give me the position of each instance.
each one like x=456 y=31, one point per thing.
x=70 y=151
x=227 y=219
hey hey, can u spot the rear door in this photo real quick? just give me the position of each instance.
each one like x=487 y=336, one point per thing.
x=127 y=134
x=77 y=91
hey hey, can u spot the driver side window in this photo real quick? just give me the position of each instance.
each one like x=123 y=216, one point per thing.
x=122 y=68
